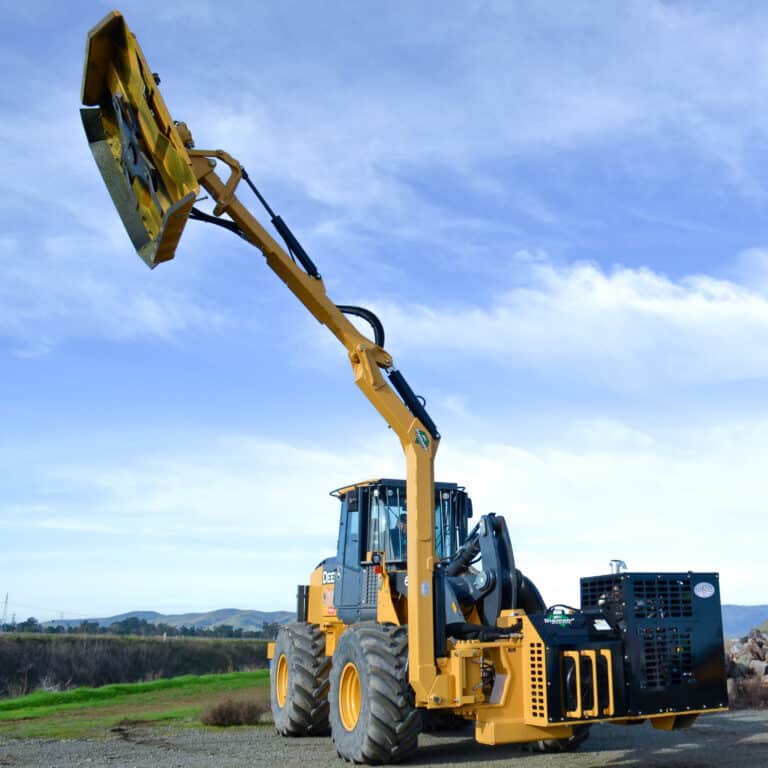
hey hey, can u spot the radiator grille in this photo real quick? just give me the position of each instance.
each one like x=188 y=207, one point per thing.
x=666 y=657
x=668 y=598
x=646 y=597
x=596 y=591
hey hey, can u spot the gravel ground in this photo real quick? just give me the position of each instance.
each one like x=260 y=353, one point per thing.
x=729 y=740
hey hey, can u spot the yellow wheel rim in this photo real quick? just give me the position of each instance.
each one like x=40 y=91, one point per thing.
x=281 y=681
x=349 y=696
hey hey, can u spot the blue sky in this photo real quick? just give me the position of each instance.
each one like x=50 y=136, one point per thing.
x=558 y=211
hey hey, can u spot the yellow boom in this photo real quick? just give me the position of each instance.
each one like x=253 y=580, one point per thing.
x=153 y=173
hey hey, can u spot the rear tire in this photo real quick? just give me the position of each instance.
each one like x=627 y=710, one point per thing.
x=298 y=677
x=579 y=736
x=373 y=719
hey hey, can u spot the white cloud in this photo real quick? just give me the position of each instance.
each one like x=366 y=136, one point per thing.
x=243 y=511
x=625 y=327
x=383 y=123
x=417 y=95
x=67 y=290
x=689 y=501
x=209 y=524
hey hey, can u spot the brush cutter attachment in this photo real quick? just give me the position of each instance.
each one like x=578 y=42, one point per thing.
x=137 y=146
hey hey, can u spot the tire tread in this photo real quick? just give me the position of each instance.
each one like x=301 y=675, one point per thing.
x=306 y=709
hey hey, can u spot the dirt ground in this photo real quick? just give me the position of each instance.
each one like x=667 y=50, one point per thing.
x=729 y=740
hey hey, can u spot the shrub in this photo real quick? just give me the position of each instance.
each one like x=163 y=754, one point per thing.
x=234 y=712
x=28 y=662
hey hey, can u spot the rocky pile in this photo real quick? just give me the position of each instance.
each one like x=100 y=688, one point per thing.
x=747 y=664
x=747 y=655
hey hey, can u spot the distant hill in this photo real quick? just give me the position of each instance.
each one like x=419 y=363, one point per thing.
x=739 y=619
x=239 y=619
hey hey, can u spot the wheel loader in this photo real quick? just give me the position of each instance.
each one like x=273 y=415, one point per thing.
x=422 y=618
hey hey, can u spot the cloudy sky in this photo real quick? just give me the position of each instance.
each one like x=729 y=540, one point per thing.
x=559 y=211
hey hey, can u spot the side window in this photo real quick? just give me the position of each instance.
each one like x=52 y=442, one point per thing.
x=352 y=544
x=447 y=524
x=377 y=525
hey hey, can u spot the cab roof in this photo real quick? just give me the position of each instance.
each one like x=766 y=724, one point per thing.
x=345 y=489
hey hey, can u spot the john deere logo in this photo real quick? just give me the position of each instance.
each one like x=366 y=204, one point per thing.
x=422 y=439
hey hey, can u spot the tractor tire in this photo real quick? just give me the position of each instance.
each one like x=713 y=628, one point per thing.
x=578 y=737
x=373 y=719
x=298 y=678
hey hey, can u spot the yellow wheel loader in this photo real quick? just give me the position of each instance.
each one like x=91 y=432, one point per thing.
x=419 y=620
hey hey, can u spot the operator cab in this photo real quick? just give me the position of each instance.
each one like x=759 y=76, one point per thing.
x=373 y=526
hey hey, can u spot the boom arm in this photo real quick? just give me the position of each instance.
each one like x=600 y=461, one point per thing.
x=368 y=359
x=153 y=175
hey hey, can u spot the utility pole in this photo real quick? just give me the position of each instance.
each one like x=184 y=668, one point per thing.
x=5 y=613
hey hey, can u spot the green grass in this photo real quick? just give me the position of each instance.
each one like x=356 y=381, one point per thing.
x=91 y=712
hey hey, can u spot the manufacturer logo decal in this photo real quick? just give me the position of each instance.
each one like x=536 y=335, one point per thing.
x=422 y=439
x=329 y=577
x=559 y=619
x=704 y=589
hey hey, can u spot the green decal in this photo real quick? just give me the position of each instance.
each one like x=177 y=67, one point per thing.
x=559 y=618
x=422 y=439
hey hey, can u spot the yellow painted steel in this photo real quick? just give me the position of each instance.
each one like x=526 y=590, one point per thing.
x=578 y=712
x=505 y=731
x=281 y=680
x=676 y=721
x=533 y=673
x=607 y=654
x=391 y=607
x=591 y=656
x=320 y=608
x=350 y=696
x=321 y=611
x=367 y=360
x=155 y=168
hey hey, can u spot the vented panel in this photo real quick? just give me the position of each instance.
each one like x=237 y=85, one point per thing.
x=667 y=659
x=644 y=597
x=537 y=682
x=671 y=624
x=594 y=591
x=370 y=587
x=665 y=598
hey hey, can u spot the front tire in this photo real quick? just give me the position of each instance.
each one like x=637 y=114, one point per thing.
x=373 y=719
x=298 y=677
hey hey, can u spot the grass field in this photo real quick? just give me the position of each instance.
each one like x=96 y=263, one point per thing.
x=92 y=712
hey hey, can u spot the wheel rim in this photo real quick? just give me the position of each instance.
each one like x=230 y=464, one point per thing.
x=281 y=681
x=349 y=696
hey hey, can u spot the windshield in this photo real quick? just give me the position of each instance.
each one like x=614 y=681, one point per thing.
x=388 y=523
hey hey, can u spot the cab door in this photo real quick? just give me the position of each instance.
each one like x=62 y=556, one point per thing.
x=346 y=596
